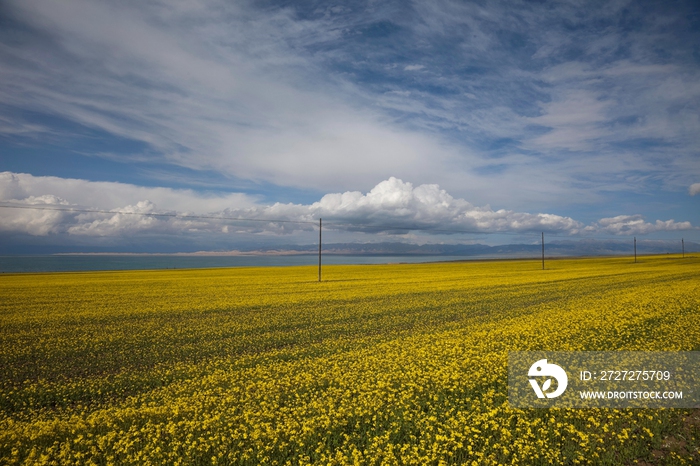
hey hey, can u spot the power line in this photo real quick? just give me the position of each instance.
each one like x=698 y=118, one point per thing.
x=353 y=226
x=357 y=227
x=149 y=214
x=362 y=228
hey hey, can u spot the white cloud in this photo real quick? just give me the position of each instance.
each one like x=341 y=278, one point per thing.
x=110 y=195
x=25 y=189
x=34 y=221
x=694 y=189
x=127 y=221
x=222 y=86
x=636 y=225
x=574 y=119
x=400 y=204
x=391 y=206
x=257 y=94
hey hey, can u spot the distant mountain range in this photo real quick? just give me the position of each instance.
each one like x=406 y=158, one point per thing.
x=554 y=248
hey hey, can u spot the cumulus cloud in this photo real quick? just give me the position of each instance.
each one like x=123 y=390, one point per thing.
x=393 y=207
x=129 y=219
x=32 y=219
x=636 y=225
x=694 y=189
x=38 y=192
x=394 y=202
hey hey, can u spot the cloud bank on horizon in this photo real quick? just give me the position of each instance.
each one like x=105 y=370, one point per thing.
x=587 y=113
x=392 y=207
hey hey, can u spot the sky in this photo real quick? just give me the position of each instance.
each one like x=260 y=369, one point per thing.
x=441 y=121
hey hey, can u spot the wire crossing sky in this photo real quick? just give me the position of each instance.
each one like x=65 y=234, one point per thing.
x=579 y=119
x=332 y=224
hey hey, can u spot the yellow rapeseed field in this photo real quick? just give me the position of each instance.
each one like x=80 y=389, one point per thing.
x=382 y=364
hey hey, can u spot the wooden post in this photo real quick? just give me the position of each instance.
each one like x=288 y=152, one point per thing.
x=543 y=250
x=683 y=247
x=635 y=249
x=320 y=226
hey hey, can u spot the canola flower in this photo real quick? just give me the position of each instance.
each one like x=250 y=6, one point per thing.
x=391 y=364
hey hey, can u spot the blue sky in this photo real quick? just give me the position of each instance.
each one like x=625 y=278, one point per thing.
x=502 y=118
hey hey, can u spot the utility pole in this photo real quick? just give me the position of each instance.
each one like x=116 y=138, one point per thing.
x=543 y=250
x=320 y=226
x=635 y=249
